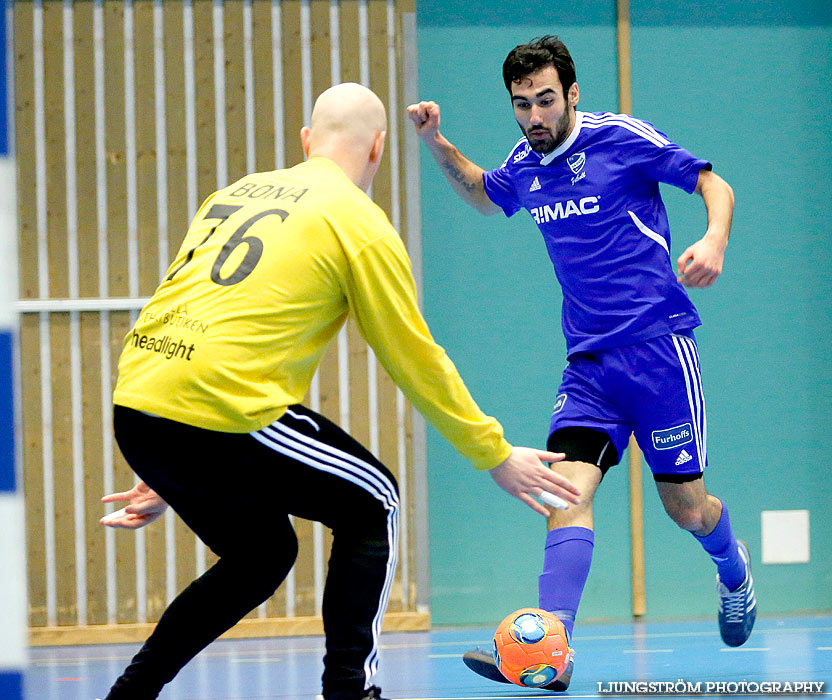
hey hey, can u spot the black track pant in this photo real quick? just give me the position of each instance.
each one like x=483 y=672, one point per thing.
x=236 y=492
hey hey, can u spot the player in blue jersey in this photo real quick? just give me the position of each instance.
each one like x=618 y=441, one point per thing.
x=591 y=183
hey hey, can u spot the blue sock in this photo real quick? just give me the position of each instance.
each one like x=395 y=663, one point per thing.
x=565 y=568
x=722 y=546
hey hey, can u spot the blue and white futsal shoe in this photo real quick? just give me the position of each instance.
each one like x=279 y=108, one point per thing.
x=737 y=609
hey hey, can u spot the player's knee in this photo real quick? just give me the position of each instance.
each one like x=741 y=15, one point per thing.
x=687 y=517
x=270 y=561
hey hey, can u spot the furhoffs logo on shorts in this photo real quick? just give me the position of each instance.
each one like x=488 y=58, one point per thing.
x=559 y=401
x=673 y=437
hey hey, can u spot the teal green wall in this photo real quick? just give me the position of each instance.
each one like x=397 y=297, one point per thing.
x=754 y=98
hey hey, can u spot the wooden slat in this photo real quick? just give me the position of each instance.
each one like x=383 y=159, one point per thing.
x=59 y=323
x=148 y=242
x=235 y=94
x=124 y=479
x=408 y=552
x=625 y=95
x=29 y=331
x=351 y=72
x=178 y=214
x=116 y=177
x=246 y=629
x=63 y=478
x=263 y=84
x=94 y=476
x=148 y=230
x=53 y=68
x=25 y=149
x=206 y=138
x=293 y=113
x=177 y=211
x=85 y=149
x=321 y=64
x=33 y=467
x=383 y=196
x=350 y=65
x=206 y=135
x=116 y=171
x=292 y=95
x=408 y=547
x=321 y=80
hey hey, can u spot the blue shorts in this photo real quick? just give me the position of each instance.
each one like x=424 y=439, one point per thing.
x=652 y=389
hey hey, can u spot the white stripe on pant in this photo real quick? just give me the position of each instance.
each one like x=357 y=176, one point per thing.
x=689 y=360
x=327 y=458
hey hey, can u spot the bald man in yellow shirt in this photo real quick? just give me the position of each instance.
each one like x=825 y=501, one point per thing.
x=207 y=404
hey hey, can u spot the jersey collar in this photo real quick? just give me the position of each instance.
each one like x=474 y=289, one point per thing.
x=566 y=145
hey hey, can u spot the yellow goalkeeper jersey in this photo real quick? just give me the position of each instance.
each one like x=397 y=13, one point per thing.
x=268 y=272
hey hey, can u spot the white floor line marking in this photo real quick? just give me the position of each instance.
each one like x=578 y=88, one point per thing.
x=735 y=649
x=648 y=651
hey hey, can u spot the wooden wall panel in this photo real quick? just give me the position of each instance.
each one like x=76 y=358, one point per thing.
x=132 y=196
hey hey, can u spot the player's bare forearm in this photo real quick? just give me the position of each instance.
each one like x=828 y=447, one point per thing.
x=719 y=203
x=464 y=176
x=701 y=264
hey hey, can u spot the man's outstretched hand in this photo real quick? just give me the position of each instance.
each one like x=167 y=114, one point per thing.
x=144 y=506
x=523 y=474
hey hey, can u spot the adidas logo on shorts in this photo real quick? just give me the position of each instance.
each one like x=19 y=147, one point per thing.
x=683 y=458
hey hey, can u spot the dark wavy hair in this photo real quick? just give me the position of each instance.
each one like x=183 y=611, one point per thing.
x=525 y=59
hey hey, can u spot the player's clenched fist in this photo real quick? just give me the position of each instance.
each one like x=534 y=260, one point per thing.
x=425 y=118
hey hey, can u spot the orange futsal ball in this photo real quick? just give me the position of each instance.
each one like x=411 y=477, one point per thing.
x=531 y=647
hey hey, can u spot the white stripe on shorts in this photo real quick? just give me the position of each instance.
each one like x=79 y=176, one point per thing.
x=686 y=351
x=325 y=457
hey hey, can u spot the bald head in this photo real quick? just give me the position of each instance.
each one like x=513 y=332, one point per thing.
x=348 y=126
x=348 y=112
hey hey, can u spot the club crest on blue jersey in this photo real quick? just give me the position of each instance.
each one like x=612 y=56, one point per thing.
x=669 y=438
x=576 y=162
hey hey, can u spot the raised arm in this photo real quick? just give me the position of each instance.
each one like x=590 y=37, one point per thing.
x=701 y=263
x=465 y=177
x=382 y=297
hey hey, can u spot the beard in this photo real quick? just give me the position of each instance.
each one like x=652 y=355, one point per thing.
x=547 y=144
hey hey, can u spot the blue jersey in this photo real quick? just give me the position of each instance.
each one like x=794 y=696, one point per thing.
x=596 y=201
